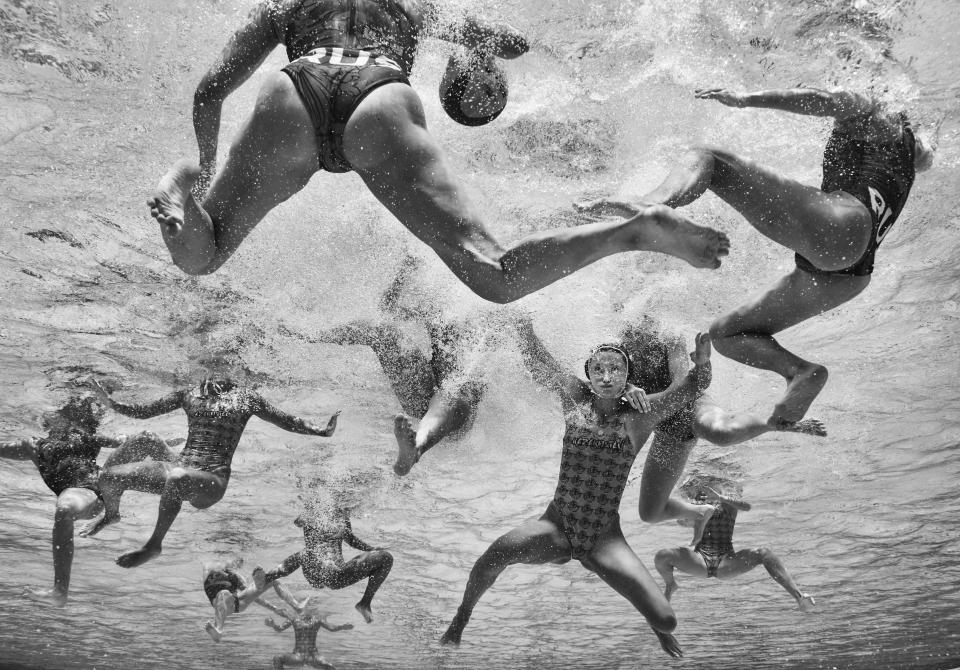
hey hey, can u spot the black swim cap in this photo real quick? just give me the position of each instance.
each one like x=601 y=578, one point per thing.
x=608 y=347
x=473 y=91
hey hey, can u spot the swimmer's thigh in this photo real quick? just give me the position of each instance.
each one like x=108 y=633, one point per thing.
x=200 y=488
x=793 y=299
x=387 y=142
x=738 y=563
x=614 y=562
x=688 y=561
x=140 y=447
x=537 y=541
x=799 y=217
x=661 y=470
x=273 y=158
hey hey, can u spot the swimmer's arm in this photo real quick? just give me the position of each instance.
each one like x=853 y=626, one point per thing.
x=164 y=405
x=19 y=450
x=732 y=505
x=355 y=541
x=245 y=51
x=292 y=423
x=333 y=628
x=678 y=364
x=272 y=624
x=809 y=101
x=496 y=39
x=544 y=367
x=694 y=382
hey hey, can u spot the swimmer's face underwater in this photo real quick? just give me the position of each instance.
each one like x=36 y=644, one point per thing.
x=607 y=371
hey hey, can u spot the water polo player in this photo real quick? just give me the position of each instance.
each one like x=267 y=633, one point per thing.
x=603 y=437
x=344 y=103
x=67 y=461
x=660 y=362
x=324 y=532
x=868 y=170
x=217 y=413
x=714 y=555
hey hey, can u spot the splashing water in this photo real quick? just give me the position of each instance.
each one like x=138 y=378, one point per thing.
x=95 y=106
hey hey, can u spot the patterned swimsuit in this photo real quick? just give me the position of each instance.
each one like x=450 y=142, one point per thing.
x=717 y=541
x=593 y=474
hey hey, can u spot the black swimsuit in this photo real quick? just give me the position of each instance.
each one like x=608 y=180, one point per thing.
x=877 y=174
x=339 y=55
x=69 y=462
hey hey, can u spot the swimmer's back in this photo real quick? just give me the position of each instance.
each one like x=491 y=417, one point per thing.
x=387 y=27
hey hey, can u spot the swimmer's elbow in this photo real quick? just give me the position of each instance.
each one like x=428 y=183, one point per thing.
x=511 y=43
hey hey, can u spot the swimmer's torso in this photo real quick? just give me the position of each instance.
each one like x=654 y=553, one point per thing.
x=305 y=631
x=387 y=27
x=718 y=533
x=596 y=461
x=215 y=423
x=860 y=156
x=324 y=545
x=69 y=460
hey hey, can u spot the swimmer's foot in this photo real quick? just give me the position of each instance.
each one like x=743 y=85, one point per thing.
x=704 y=513
x=806 y=602
x=605 y=207
x=168 y=201
x=802 y=388
x=807 y=427
x=365 y=611
x=659 y=228
x=407 y=443
x=454 y=632
x=669 y=644
x=213 y=632
x=137 y=558
x=93 y=527
x=55 y=597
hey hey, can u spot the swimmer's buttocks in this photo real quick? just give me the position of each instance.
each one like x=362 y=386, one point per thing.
x=473 y=90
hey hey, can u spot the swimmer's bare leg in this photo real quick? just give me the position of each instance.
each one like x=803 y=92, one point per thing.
x=447 y=413
x=536 y=541
x=613 y=561
x=72 y=504
x=664 y=465
x=746 y=334
x=747 y=559
x=721 y=427
x=682 y=559
x=405 y=169
x=273 y=158
x=201 y=489
x=146 y=476
x=223 y=605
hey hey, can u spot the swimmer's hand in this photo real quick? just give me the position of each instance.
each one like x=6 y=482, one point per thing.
x=722 y=95
x=331 y=425
x=701 y=360
x=637 y=398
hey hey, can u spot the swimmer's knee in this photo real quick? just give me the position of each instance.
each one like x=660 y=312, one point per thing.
x=764 y=554
x=651 y=514
x=662 y=558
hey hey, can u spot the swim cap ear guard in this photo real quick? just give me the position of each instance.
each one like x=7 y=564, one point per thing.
x=608 y=347
x=473 y=91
